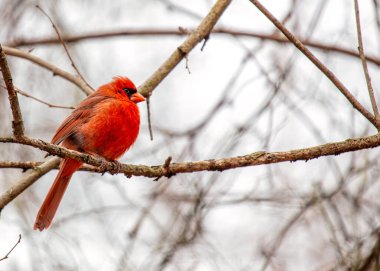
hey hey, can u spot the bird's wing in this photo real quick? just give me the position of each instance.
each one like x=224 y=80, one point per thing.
x=78 y=117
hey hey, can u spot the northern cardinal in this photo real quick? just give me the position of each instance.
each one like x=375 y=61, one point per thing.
x=105 y=124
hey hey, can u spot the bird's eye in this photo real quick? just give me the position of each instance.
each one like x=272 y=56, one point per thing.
x=129 y=91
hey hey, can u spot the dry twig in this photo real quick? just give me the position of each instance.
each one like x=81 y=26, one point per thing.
x=364 y=61
x=17 y=123
x=149 y=117
x=64 y=46
x=25 y=94
x=10 y=251
x=25 y=165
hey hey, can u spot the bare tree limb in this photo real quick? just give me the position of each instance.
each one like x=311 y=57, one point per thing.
x=10 y=251
x=329 y=74
x=27 y=180
x=25 y=165
x=202 y=32
x=252 y=159
x=17 y=123
x=364 y=62
x=54 y=69
x=25 y=94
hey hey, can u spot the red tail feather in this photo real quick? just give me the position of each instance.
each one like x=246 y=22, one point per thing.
x=55 y=195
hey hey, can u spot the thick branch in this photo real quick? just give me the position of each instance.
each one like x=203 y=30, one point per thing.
x=27 y=180
x=17 y=124
x=170 y=169
x=56 y=71
x=253 y=159
x=329 y=74
x=201 y=33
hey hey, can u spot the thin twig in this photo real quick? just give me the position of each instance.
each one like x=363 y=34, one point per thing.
x=25 y=94
x=17 y=123
x=64 y=46
x=166 y=166
x=201 y=32
x=149 y=117
x=10 y=251
x=187 y=64
x=205 y=42
x=54 y=69
x=364 y=61
x=377 y=15
x=25 y=165
x=329 y=74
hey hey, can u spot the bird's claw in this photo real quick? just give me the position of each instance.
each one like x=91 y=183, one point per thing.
x=103 y=167
x=115 y=169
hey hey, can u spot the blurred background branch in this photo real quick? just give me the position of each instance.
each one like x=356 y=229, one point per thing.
x=150 y=32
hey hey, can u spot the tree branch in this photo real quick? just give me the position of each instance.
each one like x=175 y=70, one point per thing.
x=25 y=94
x=25 y=165
x=17 y=124
x=27 y=180
x=64 y=47
x=168 y=170
x=253 y=159
x=329 y=74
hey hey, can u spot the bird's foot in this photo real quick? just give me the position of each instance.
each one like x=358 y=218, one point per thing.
x=103 y=166
x=116 y=167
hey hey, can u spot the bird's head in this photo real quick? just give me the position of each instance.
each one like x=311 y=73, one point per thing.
x=123 y=86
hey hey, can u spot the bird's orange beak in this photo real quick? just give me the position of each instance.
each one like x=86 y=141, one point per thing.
x=137 y=97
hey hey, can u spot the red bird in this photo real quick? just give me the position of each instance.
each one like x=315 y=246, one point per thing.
x=105 y=124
